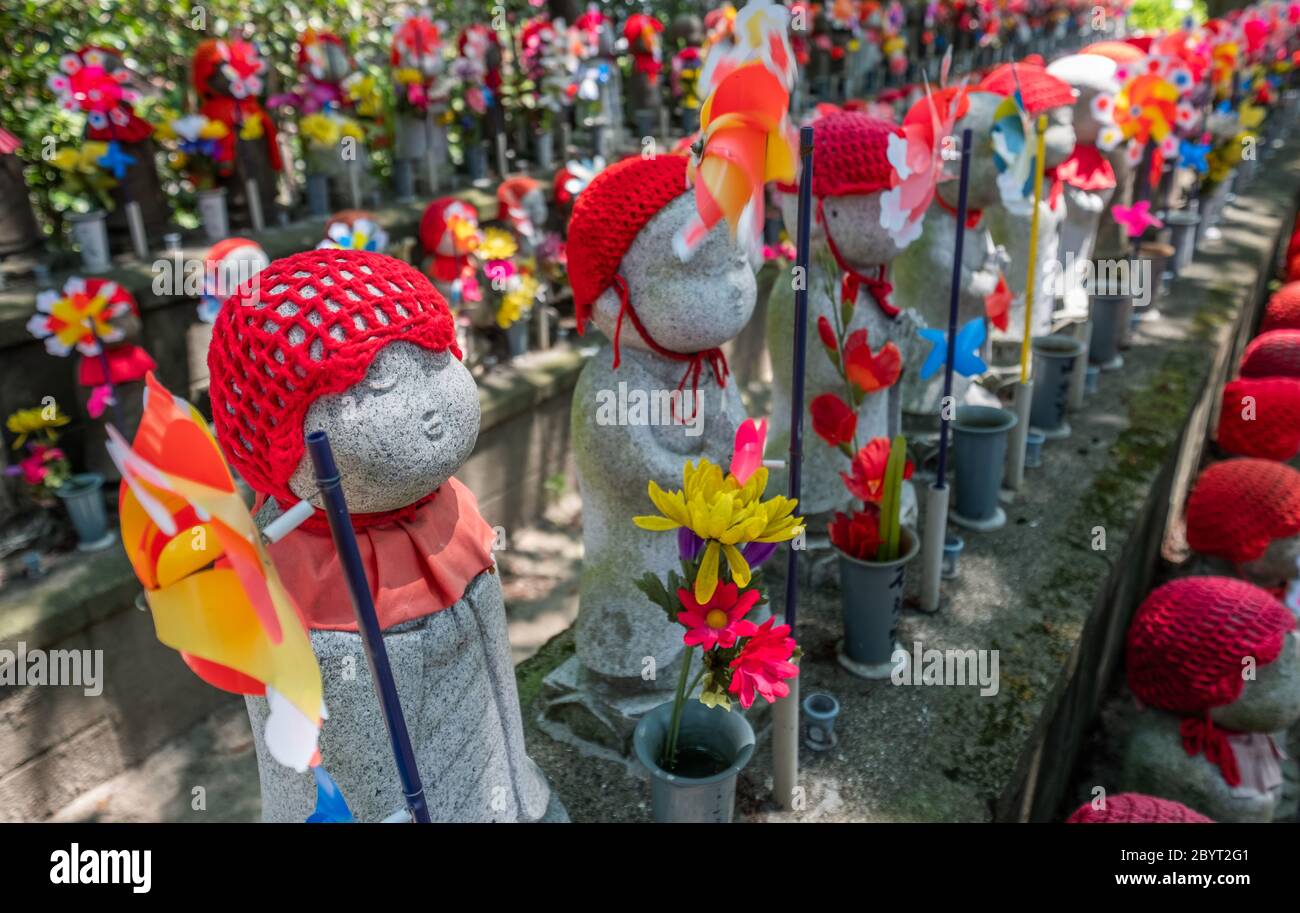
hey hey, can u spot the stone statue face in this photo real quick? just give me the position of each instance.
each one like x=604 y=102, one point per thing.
x=685 y=306
x=982 y=190
x=1060 y=137
x=1086 y=126
x=1272 y=701
x=854 y=223
x=399 y=433
x=1277 y=564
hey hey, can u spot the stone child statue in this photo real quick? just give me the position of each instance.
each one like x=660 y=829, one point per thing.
x=228 y=78
x=922 y=274
x=1010 y=221
x=1087 y=177
x=361 y=346
x=655 y=396
x=1215 y=664
x=851 y=254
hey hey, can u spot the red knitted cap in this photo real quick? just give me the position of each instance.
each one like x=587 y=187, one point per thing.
x=1039 y=90
x=1283 y=309
x=851 y=151
x=1136 y=808
x=607 y=217
x=1272 y=354
x=1267 y=425
x=1293 y=268
x=1239 y=506
x=310 y=325
x=1189 y=636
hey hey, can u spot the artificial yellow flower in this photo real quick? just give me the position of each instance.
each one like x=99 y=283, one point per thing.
x=178 y=160
x=351 y=128
x=498 y=244
x=725 y=514
x=408 y=76
x=162 y=128
x=213 y=129
x=320 y=129
x=518 y=301
x=84 y=160
x=1250 y=116
x=26 y=422
x=364 y=92
x=251 y=129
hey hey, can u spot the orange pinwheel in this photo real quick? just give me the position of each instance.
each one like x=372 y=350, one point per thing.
x=746 y=140
x=213 y=592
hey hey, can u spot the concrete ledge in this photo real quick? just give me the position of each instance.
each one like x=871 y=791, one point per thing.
x=1036 y=591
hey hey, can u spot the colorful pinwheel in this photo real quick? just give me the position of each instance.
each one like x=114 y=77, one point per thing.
x=86 y=84
x=213 y=592
x=1136 y=219
x=746 y=140
x=966 y=360
x=917 y=158
x=79 y=316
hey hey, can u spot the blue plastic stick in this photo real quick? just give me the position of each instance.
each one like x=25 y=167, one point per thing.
x=945 y=409
x=800 y=356
x=345 y=541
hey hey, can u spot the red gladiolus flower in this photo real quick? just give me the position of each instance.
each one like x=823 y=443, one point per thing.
x=857 y=535
x=868 y=372
x=721 y=620
x=833 y=421
x=763 y=665
x=827 y=333
x=868 y=471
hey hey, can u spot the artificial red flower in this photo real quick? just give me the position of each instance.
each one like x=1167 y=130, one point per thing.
x=997 y=304
x=857 y=535
x=827 y=333
x=833 y=421
x=763 y=665
x=721 y=620
x=868 y=372
x=867 y=482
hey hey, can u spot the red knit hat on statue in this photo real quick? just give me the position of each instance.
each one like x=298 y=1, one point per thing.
x=309 y=326
x=1136 y=808
x=851 y=152
x=1239 y=506
x=1039 y=90
x=1283 y=309
x=607 y=217
x=1261 y=417
x=1272 y=354
x=1185 y=650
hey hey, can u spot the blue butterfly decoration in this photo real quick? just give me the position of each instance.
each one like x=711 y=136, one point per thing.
x=1193 y=155
x=116 y=161
x=331 y=807
x=966 y=360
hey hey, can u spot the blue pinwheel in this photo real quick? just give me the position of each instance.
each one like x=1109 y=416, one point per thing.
x=1194 y=155
x=331 y=807
x=116 y=161
x=966 y=360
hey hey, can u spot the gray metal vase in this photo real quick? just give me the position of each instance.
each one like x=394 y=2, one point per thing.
x=82 y=497
x=1054 y=358
x=1110 y=318
x=871 y=599
x=979 y=443
x=1182 y=235
x=694 y=800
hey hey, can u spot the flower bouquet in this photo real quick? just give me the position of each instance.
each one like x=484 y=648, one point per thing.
x=45 y=466
x=725 y=531
x=85 y=182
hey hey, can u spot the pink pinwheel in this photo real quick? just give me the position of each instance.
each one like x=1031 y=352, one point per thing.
x=917 y=158
x=85 y=84
x=1136 y=219
x=101 y=398
x=719 y=621
x=747 y=454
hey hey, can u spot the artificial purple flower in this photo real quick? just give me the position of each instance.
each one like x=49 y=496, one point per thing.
x=688 y=544
x=756 y=553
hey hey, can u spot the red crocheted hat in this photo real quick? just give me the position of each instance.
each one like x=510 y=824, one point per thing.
x=1293 y=268
x=1189 y=636
x=1239 y=506
x=1261 y=417
x=607 y=217
x=1136 y=808
x=850 y=150
x=310 y=325
x=1039 y=90
x=1272 y=354
x=1283 y=309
